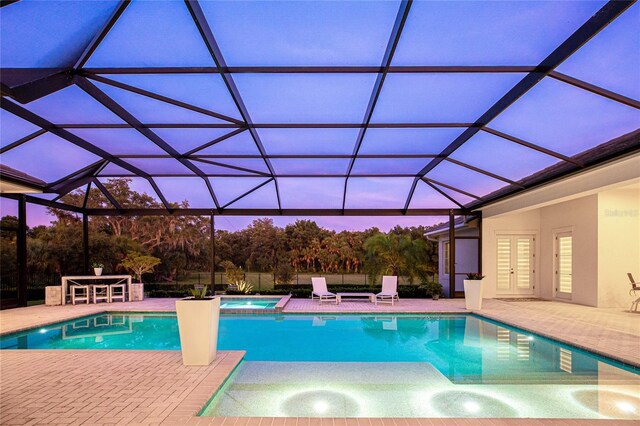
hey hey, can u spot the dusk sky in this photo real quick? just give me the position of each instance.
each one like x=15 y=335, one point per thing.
x=553 y=114
x=37 y=215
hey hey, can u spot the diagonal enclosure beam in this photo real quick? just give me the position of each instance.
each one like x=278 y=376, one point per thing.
x=216 y=54
x=72 y=185
x=107 y=194
x=453 y=188
x=26 y=85
x=86 y=195
x=43 y=202
x=444 y=194
x=230 y=167
x=215 y=141
x=4 y=3
x=22 y=140
x=595 y=24
x=533 y=146
x=161 y=98
x=97 y=39
x=114 y=107
x=70 y=137
x=628 y=144
x=248 y=192
x=483 y=172
x=78 y=141
x=595 y=89
x=90 y=170
x=163 y=200
x=394 y=38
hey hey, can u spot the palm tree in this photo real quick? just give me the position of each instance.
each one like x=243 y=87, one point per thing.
x=395 y=254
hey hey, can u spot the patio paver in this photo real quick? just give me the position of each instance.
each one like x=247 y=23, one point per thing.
x=99 y=387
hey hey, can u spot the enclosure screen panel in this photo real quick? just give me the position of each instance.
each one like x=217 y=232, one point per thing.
x=455 y=33
x=302 y=33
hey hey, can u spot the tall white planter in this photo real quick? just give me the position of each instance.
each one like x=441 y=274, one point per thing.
x=473 y=294
x=198 y=327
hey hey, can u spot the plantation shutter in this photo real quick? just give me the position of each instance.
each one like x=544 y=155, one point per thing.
x=504 y=264
x=523 y=263
x=564 y=261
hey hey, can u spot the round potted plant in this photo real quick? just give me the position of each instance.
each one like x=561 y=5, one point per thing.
x=473 y=291
x=431 y=289
x=97 y=268
x=198 y=318
x=434 y=289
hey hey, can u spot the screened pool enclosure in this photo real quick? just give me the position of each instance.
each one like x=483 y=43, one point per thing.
x=312 y=108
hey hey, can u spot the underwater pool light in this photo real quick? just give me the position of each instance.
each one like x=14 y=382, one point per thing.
x=471 y=406
x=320 y=407
x=626 y=407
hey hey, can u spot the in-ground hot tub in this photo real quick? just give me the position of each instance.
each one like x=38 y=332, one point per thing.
x=253 y=304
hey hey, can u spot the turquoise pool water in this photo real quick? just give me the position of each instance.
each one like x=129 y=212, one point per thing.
x=368 y=365
x=248 y=303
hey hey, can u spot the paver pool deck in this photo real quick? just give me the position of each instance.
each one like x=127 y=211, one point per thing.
x=96 y=387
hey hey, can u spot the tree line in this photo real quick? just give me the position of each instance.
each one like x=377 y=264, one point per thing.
x=183 y=244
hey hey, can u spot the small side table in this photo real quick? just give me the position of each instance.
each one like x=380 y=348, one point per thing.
x=53 y=295
x=137 y=292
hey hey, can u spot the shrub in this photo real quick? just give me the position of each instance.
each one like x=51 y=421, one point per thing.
x=432 y=289
x=140 y=263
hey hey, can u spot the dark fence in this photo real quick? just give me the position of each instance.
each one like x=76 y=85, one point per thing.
x=263 y=281
x=36 y=283
x=263 y=284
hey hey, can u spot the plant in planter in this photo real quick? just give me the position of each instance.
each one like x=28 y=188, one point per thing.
x=433 y=289
x=199 y=292
x=198 y=318
x=473 y=291
x=139 y=263
x=474 y=276
x=97 y=268
x=244 y=287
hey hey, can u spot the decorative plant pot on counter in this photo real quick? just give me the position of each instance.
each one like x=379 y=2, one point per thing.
x=97 y=271
x=198 y=326
x=473 y=294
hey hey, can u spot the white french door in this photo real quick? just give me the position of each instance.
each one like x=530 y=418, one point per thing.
x=515 y=265
x=563 y=277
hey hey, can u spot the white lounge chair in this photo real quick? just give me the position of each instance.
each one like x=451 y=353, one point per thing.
x=389 y=293
x=635 y=287
x=320 y=289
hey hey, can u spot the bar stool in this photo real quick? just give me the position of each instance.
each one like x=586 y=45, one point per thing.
x=100 y=292
x=79 y=293
x=117 y=291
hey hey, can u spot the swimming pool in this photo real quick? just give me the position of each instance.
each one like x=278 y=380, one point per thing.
x=377 y=366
